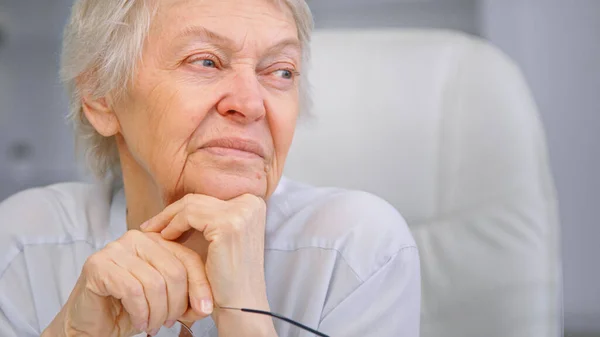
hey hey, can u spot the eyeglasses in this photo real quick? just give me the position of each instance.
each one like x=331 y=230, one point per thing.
x=266 y=313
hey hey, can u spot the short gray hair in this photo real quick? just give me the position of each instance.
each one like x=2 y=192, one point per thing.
x=102 y=44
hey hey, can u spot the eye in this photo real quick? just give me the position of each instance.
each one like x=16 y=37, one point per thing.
x=286 y=74
x=204 y=60
x=206 y=63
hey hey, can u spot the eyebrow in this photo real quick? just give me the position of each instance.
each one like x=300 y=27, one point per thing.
x=284 y=44
x=223 y=41
x=205 y=34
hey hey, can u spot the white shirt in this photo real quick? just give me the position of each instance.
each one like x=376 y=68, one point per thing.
x=341 y=261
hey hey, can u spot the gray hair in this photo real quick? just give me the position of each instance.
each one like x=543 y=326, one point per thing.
x=102 y=44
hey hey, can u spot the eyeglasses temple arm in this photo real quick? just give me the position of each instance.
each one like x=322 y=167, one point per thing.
x=260 y=312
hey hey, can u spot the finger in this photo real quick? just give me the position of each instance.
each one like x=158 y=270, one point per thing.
x=172 y=271
x=200 y=293
x=160 y=221
x=190 y=218
x=153 y=284
x=122 y=285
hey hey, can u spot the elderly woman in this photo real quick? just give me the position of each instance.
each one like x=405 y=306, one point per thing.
x=187 y=109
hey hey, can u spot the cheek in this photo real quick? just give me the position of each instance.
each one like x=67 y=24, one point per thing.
x=181 y=114
x=283 y=126
x=163 y=121
x=167 y=123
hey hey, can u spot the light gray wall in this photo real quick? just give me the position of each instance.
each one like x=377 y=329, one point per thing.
x=557 y=44
x=36 y=145
x=449 y=14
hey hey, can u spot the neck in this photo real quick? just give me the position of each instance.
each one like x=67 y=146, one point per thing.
x=145 y=200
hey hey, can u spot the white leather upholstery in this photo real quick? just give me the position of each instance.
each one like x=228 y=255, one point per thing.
x=443 y=126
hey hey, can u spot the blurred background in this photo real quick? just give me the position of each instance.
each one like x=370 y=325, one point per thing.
x=555 y=42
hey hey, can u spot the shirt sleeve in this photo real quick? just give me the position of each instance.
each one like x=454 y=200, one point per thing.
x=5 y=326
x=17 y=310
x=385 y=305
x=19 y=214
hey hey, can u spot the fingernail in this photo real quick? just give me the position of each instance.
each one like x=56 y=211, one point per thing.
x=206 y=306
x=196 y=305
x=169 y=324
x=145 y=225
x=154 y=332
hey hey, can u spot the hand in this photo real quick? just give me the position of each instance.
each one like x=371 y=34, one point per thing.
x=235 y=232
x=137 y=283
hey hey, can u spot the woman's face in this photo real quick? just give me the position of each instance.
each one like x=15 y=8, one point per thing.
x=215 y=99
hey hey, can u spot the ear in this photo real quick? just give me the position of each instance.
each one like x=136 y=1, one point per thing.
x=101 y=115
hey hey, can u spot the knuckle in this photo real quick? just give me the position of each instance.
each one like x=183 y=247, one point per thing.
x=185 y=213
x=133 y=289
x=254 y=201
x=238 y=222
x=153 y=236
x=259 y=202
x=189 y=199
x=260 y=208
x=248 y=197
x=114 y=246
x=194 y=259
x=156 y=284
x=94 y=262
x=202 y=286
x=249 y=213
x=176 y=272
x=233 y=228
x=132 y=235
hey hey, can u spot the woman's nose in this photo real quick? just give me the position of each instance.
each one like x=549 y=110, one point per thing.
x=243 y=101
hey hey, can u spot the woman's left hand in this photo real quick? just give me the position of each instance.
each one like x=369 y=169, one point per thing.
x=235 y=231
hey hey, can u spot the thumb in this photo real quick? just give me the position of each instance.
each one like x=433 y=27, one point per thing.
x=84 y=300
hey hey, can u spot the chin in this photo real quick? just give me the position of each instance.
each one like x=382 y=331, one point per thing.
x=227 y=186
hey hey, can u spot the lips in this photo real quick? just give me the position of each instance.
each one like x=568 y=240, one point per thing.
x=225 y=145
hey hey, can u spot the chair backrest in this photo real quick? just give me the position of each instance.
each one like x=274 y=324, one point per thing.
x=443 y=126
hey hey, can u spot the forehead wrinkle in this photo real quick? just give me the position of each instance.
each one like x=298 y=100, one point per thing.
x=206 y=35
x=230 y=45
x=246 y=12
x=250 y=13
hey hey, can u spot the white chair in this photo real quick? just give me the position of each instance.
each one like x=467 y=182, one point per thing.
x=443 y=126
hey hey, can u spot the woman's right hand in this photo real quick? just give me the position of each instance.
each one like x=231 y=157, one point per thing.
x=135 y=284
